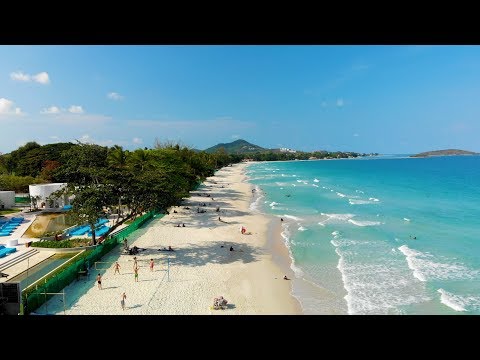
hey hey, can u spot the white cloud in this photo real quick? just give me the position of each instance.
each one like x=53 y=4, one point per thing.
x=7 y=108
x=87 y=139
x=115 y=96
x=76 y=109
x=340 y=102
x=51 y=110
x=235 y=136
x=356 y=135
x=137 y=140
x=54 y=137
x=41 y=77
x=19 y=76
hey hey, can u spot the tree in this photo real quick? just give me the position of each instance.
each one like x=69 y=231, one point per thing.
x=88 y=204
x=49 y=167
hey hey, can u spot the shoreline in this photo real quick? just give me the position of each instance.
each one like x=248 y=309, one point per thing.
x=201 y=267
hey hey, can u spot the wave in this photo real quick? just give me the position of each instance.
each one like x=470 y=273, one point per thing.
x=301 y=228
x=451 y=300
x=341 y=195
x=410 y=257
x=294 y=185
x=373 y=199
x=335 y=233
x=314 y=185
x=364 y=223
x=359 y=191
x=406 y=219
x=273 y=203
x=375 y=288
x=292 y=217
x=360 y=202
x=286 y=237
x=316 y=180
x=341 y=217
x=459 y=303
x=426 y=267
x=254 y=205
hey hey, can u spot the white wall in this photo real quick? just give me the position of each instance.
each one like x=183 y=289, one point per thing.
x=7 y=199
x=44 y=191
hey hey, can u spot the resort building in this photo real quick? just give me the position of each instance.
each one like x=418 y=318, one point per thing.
x=287 y=150
x=40 y=193
x=7 y=199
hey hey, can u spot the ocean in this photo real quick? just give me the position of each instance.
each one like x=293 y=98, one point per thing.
x=383 y=235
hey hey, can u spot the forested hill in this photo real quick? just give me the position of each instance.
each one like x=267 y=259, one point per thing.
x=236 y=147
x=444 y=153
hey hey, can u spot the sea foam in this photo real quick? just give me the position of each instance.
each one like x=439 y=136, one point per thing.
x=364 y=223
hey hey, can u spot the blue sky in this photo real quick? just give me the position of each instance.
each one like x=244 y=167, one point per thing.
x=386 y=99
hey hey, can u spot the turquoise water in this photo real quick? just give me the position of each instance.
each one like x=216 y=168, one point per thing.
x=390 y=235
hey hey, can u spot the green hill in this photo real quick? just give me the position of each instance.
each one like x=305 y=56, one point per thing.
x=444 y=153
x=236 y=147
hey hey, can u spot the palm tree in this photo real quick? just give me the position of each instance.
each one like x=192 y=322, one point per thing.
x=140 y=159
x=117 y=157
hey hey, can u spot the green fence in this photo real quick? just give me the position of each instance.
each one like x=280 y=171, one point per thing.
x=33 y=298
x=22 y=200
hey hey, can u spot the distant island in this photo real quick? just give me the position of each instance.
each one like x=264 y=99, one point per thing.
x=448 y=152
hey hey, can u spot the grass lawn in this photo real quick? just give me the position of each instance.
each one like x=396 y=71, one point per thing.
x=9 y=211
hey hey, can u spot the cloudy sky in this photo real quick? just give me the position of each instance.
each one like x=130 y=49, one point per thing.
x=386 y=99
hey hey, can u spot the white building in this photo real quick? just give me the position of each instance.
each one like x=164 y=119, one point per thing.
x=7 y=199
x=42 y=193
x=287 y=150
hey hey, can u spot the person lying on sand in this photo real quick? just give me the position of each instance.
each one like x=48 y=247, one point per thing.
x=165 y=249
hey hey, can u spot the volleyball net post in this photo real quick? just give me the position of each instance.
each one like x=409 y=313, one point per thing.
x=54 y=293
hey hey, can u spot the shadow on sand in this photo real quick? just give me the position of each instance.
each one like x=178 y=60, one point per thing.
x=213 y=253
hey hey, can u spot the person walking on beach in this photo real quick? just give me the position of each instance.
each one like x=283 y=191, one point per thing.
x=136 y=274
x=117 y=268
x=122 y=301
x=135 y=265
x=99 y=281
x=151 y=264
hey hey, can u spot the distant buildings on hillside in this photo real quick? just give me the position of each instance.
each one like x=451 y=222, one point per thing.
x=287 y=150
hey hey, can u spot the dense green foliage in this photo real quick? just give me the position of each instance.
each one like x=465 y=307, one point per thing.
x=113 y=180
x=18 y=184
x=445 y=153
x=61 y=244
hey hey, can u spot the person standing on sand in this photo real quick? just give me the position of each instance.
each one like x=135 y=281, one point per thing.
x=135 y=265
x=117 y=268
x=99 y=281
x=122 y=301
x=136 y=274
x=151 y=264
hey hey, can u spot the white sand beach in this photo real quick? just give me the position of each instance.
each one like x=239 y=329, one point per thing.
x=201 y=267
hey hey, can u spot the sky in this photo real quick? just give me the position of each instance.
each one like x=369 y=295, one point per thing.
x=386 y=99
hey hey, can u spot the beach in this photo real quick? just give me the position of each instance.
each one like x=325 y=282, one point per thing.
x=201 y=267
